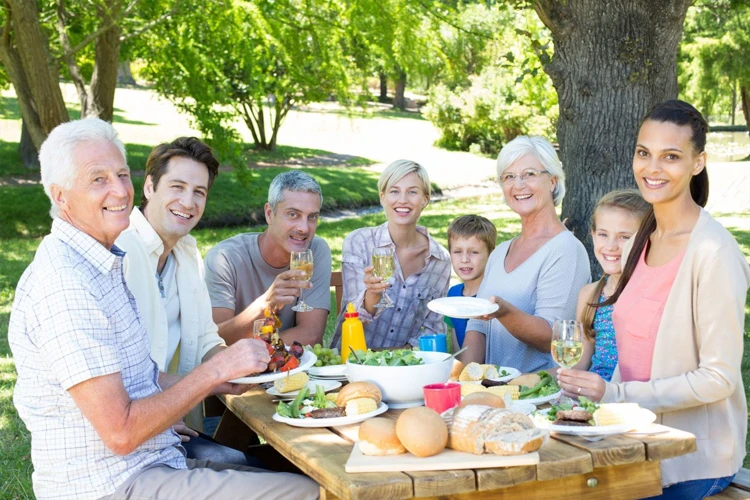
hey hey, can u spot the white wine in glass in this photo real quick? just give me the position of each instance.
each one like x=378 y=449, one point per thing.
x=567 y=343
x=383 y=265
x=302 y=261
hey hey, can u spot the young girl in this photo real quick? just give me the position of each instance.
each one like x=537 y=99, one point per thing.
x=680 y=310
x=616 y=218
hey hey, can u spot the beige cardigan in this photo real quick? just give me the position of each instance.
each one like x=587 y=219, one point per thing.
x=696 y=382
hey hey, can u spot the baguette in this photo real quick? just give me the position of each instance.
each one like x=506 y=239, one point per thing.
x=480 y=429
x=517 y=442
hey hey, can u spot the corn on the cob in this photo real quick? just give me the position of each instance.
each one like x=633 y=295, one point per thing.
x=490 y=371
x=467 y=389
x=331 y=396
x=472 y=371
x=502 y=390
x=615 y=413
x=360 y=406
x=291 y=382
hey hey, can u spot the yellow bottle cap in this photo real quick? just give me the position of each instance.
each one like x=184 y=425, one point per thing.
x=351 y=312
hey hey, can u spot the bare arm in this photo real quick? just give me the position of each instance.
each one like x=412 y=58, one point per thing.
x=308 y=329
x=532 y=330
x=124 y=424
x=475 y=344
x=283 y=291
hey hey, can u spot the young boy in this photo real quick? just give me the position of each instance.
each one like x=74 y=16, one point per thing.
x=471 y=239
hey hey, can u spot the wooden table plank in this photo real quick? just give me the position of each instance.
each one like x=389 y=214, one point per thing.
x=624 y=482
x=558 y=460
x=612 y=450
x=492 y=479
x=444 y=482
x=671 y=444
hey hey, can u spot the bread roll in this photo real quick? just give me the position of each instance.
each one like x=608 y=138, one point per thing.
x=422 y=431
x=377 y=437
x=485 y=398
x=517 y=442
x=357 y=390
x=456 y=370
x=527 y=379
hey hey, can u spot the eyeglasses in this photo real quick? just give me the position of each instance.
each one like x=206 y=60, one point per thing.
x=529 y=175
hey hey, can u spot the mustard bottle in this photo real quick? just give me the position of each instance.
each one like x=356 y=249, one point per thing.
x=352 y=333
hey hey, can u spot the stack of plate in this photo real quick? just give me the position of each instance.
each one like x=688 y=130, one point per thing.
x=332 y=372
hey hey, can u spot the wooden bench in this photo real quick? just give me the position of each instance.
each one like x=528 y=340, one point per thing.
x=739 y=489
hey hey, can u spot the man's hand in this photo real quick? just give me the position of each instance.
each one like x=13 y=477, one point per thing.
x=244 y=357
x=184 y=431
x=285 y=289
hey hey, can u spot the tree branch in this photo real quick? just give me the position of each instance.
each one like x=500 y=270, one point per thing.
x=149 y=25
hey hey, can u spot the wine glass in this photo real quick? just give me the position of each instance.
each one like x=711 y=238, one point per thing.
x=383 y=263
x=567 y=345
x=302 y=261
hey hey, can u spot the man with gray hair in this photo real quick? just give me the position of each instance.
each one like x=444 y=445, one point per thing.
x=99 y=411
x=249 y=273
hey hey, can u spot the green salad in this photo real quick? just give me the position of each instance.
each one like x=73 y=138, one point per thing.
x=395 y=357
x=546 y=387
x=302 y=404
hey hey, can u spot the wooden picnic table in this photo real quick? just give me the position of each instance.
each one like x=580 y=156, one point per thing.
x=617 y=467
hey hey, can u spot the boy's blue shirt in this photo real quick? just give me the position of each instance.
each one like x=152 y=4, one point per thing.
x=459 y=324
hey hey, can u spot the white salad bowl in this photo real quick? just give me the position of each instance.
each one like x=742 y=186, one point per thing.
x=401 y=386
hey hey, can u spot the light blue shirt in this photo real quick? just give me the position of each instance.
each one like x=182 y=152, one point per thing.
x=545 y=285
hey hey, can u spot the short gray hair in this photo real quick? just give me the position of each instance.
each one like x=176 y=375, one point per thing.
x=292 y=180
x=542 y=150
x=56 y=154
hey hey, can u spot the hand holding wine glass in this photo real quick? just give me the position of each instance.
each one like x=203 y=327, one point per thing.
x=383 y=264
x=302 y=261
x=567 y=344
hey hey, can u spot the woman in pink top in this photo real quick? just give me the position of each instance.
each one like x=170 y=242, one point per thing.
x=679 y=310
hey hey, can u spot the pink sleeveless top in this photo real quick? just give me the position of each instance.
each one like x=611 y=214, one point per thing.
x=638 y=313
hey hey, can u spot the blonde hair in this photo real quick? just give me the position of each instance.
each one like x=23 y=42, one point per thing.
x=400 y=169
x=467 y=226
x=628 y=200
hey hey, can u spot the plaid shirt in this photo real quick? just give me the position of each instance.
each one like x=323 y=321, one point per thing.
x=74 y=319
x=394 y=326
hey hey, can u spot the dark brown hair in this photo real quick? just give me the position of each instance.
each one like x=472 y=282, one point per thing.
x=467 y=226
x=630 y=201
x=182 y=147
x=682 y=114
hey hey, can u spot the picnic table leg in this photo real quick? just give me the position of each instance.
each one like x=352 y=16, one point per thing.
x=234 y=433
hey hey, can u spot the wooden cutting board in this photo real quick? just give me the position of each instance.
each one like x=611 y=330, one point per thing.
x=445 y=460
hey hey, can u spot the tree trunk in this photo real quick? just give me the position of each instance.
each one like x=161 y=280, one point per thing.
x=26 y=150
x=40 y=72
x=745 y=95
x=399 y=100
x=383 y=97
x=124 y=74
x=104 y=78
x=613 y=61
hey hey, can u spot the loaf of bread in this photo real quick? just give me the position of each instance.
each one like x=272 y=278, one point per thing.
x=480 y=429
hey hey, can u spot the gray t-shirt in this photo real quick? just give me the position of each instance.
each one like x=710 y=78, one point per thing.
x=236 y=275
x=545 y=285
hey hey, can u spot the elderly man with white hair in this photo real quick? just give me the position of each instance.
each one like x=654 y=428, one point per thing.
x=99 y=411
x=534 y=278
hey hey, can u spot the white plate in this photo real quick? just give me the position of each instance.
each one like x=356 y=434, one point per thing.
x=328 y=385
x=330 y=422
x=542 y=399
x=505 y=378
x=597 y=432
x=462 y=307
x=328 y=371
x=308 y=359
x=523 y=407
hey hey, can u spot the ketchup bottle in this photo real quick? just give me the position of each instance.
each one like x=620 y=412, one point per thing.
x=352 y=333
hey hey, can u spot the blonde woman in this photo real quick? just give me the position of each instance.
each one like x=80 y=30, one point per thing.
x=422 y=267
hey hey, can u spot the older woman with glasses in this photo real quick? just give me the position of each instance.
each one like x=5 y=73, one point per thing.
x=535 y=277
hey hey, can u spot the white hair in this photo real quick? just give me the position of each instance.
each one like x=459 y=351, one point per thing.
x=56 y=154
x=543 y=151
